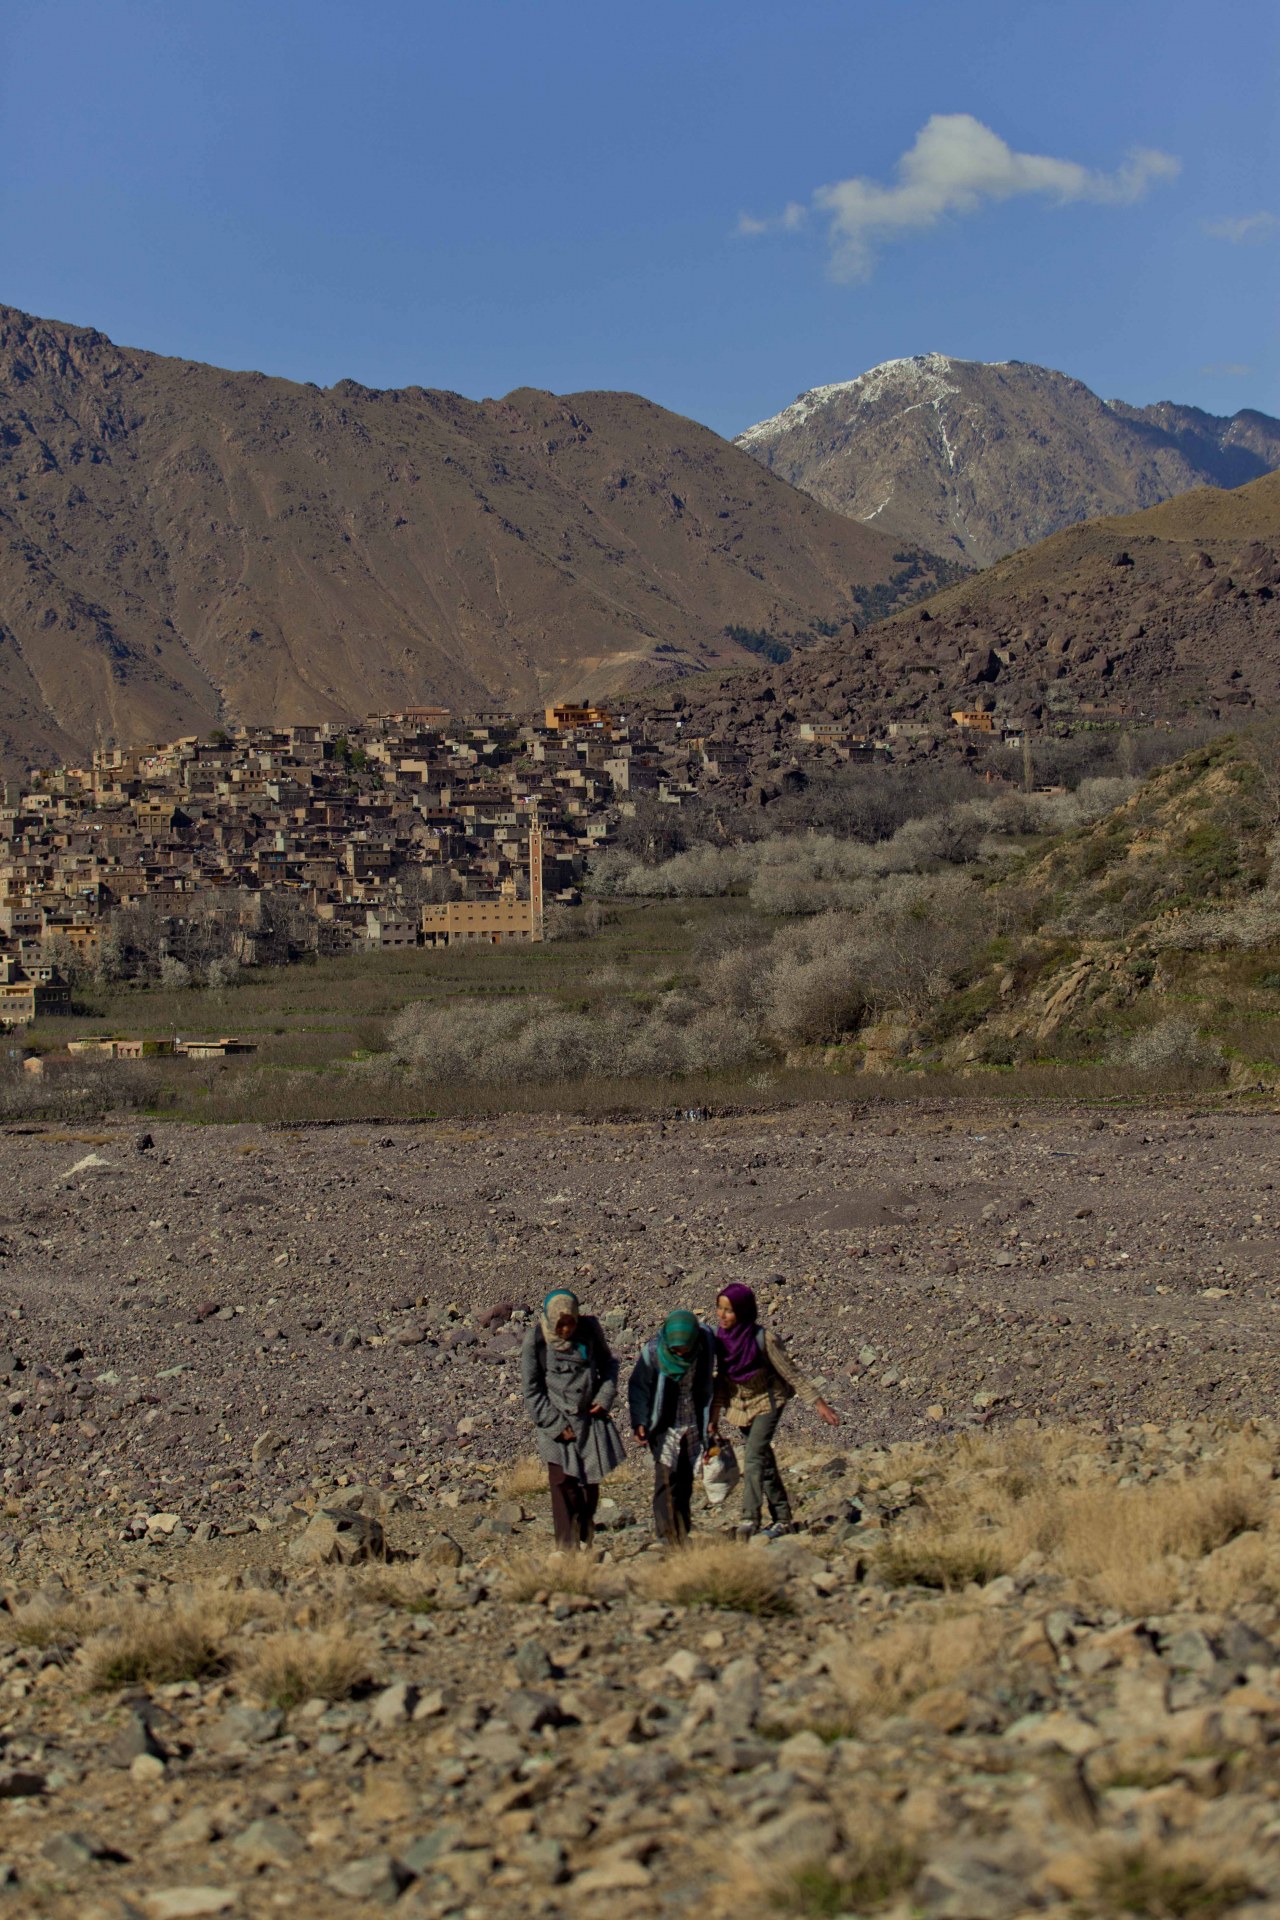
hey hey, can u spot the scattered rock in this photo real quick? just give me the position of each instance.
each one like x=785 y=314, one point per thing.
x=379 y=1879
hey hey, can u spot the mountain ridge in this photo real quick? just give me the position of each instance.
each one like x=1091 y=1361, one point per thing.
x=1000 y=454
x=1160 y=618
x=182 y=545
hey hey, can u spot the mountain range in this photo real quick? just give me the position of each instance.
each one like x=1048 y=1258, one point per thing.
x=975 y=460
x=181 y=546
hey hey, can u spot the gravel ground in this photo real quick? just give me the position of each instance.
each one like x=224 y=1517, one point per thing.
x=203 y=1323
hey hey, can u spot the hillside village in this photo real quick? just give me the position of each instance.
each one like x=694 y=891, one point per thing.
x=259 y=845
x=407 y=829
x=411 y=829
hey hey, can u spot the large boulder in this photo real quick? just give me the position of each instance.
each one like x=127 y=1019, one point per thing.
x=339 y=1536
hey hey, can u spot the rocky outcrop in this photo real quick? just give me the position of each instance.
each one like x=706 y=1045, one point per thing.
x=1171 y=615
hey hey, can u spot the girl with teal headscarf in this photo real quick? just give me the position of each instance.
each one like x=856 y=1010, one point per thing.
x=669 y=1397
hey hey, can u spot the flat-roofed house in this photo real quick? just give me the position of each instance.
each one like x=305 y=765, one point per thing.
x=24 y=998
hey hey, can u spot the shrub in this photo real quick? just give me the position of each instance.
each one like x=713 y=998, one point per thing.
x=954 y=837
x=1172 y=1049
x=816 y=999
x=540 y=1040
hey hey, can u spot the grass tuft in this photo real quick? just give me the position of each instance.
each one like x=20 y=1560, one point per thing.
x=934 y=1556
x=876 y=1875
x=523 y=1480
x=160 y=1645
x=720 y=1573
x=293 y=1665
x=410 y=1589
x=537 y=1573
x=40 y=1624
x=1169 y=1886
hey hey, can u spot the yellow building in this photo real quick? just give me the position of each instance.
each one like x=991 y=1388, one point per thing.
x=564 y=716
x=481 y=922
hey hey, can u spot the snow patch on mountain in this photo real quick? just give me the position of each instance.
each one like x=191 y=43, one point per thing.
x=917 y=381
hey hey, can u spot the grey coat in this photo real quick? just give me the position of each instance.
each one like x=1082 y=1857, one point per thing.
x=559 y=1388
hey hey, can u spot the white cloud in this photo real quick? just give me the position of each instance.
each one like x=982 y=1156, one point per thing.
x=790 y=220
x=1229 y=369
x=955 y=165
x=1243 y=228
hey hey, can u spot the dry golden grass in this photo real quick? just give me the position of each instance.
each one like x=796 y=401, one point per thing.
x=531 y=1574
x=42 y=1624
x=190 y=1634
x=291 y=1665
x=988 y=1503
x=1179 y=1881
x=187 y=1640
x=1130 y=1545
x=409 y=1587
x=718 y=1573
x=523 y=1480
x=881 y=1674
x=946 y=1557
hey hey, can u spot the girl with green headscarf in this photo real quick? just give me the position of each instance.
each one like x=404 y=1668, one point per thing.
x=669 y=1397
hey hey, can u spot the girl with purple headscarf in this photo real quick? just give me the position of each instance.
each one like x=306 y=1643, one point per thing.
x=756 y=1377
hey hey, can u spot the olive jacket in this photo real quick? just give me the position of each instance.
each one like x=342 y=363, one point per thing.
x=779 y=1380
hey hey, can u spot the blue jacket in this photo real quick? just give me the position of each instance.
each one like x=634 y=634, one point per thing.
x=651 y=1397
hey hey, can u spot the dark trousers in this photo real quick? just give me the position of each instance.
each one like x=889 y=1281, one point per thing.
x=673 y=1496
x=573 y=1508
x=761 y=1479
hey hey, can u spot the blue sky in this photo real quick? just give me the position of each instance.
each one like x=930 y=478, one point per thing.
x=713 y=204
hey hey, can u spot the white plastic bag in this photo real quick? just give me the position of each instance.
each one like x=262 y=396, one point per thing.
x=720 y=1471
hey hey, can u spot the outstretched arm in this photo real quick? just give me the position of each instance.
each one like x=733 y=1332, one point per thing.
x=786 y=1369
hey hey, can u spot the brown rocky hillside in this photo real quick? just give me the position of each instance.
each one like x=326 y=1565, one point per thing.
x=976 y=460
x=180 y=545
x=1166 y=615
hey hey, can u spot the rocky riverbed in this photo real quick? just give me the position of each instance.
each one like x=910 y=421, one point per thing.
x=203 y=1320
x=261 y=1416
